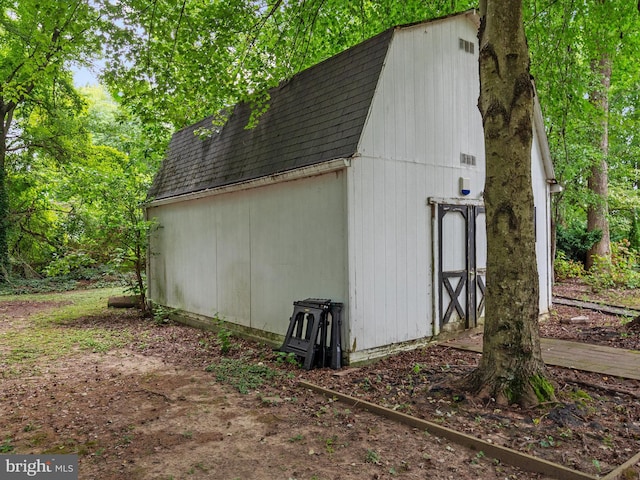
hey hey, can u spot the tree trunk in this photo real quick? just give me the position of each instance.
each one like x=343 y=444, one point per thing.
x=6 y=117
x=511 y=369
x=598 y=211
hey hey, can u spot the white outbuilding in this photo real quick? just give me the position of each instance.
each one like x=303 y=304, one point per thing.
x=361 y=183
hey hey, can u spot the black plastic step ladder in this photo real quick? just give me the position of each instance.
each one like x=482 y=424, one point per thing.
x=308 y=336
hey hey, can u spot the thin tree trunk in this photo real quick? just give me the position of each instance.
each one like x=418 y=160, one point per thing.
x=598 y=211
x=511 y=369
x=6 y=116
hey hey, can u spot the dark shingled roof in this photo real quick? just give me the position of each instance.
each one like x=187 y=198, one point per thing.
x=316 y=116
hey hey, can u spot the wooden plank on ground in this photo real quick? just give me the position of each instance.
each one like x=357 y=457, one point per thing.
x=615 y=362
x=598 y=307
x=504 y=454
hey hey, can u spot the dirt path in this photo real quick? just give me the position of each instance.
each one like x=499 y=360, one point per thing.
x=150 y=410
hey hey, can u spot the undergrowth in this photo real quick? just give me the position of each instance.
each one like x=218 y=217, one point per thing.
x=85 y=279
x=242 y=375
x=621 y=270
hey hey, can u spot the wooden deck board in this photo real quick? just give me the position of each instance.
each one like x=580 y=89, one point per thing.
x=615 y=362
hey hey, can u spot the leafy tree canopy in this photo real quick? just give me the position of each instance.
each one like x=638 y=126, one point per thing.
x=190 y=59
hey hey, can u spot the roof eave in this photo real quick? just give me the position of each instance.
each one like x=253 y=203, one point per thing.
x=290 y=175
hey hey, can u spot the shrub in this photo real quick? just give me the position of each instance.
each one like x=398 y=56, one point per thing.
x=621 y=270
x=575 y=241
x=565 y=268
x=71 y=263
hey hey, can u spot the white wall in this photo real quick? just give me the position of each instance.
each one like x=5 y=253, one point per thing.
x=248 y=255
x=423 y=116
x=542 y=202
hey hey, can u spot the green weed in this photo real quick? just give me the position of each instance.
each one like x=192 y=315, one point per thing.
x=6 y=446
x=224 y=340
x=372 y=457
x=479 y=456
x=547 y=442
x=287 y=357
x=224 y=335
x=596 y=464
x=241 y=375
x=162 y=315
x=329 y=444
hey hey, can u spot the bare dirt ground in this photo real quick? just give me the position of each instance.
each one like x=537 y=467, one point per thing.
x=151 y=410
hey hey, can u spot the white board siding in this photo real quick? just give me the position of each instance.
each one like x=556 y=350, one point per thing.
x=255 y=252
x=542 y=202
x=422 y=117
x=424 y=109
x=172 y=248
x=389 y=282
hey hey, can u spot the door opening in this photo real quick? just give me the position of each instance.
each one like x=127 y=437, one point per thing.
x=461 y=269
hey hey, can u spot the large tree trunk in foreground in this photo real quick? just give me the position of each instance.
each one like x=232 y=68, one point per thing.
x=511 y=369
x=598 y=211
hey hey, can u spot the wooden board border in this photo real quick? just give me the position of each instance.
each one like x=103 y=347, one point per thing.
x=503 y=454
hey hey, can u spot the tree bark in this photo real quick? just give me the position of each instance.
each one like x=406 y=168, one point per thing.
x=6 y=115
x=511 y=369
x=598 y=183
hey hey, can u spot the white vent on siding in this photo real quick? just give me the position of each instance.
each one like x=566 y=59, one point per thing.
x=466 y=159
x=466 y=45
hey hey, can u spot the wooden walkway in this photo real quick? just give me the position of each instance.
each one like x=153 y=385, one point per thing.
x=615 y=362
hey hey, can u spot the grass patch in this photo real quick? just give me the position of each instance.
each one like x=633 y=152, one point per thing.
x=27 y=346
x=6 y=446
x=74 y=305
x=50 y=333
x=242 y=375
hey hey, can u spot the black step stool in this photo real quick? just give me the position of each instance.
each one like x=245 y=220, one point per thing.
x=307 y=333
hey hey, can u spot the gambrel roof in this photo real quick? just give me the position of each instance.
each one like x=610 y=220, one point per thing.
x=316 y=116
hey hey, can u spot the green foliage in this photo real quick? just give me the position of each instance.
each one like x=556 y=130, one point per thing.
x=87 y=278
x=65 y=265
x=547 y=442
x=288 y=358
x=241 y=375
x=575 y=241
x=621 y=270
x=161 y=315
x=565 y=268
x=566 y=41
x=205 y=56
x=372 y=457
x=634 y=232
x=224 y=340
x=84 y=210
x=6 y=446
x=37 y=102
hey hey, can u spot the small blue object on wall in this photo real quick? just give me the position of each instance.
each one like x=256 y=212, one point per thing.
x=465 y=186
